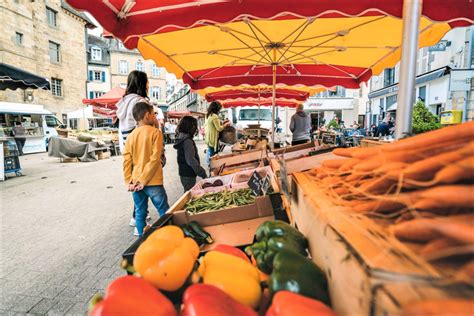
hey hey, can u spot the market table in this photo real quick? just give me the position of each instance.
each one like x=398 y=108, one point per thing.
x=70 y=148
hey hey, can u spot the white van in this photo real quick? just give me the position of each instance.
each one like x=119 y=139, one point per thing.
x=40 y=124
x=244 y=116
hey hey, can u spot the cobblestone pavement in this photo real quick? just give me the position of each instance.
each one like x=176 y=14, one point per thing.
x=64 y=227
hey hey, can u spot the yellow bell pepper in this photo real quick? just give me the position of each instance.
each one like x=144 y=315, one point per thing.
x=166 y=258
x=236 y=277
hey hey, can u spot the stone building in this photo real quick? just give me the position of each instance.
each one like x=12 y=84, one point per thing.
x=123 y=61
x=47 y=38
x=98 y=67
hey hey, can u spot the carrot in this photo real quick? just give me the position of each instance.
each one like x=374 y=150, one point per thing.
x=348 y=164
x=377 y=185
x=466 y=272
x=395 y=166
x=455 y=196
x=378 y=206
x=462 y=170
x=435 y=245
x=355 y=177
x=453 y=133
x=419 y=230
x=442 y=307
x=333 y=163
x=366 y=152
x=461 y=232
x=344 y=152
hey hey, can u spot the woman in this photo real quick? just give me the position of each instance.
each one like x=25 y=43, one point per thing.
x=300 y=126
x=189 y=165
x=213 y=127
x=137 y=87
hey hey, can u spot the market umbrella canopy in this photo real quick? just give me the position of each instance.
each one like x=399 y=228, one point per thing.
x=259 y=102
x=15 y=78
x=130 y=20
x=257 y=92
x=107 y=100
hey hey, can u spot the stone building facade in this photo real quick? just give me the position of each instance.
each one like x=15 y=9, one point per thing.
x=98 y=66
x=123 y=61
x=47 y=38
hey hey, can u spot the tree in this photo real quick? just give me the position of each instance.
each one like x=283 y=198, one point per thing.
x=423 y=120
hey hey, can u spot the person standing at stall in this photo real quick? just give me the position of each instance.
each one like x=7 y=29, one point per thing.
x=19 y=134
x=212 y=128
x=142 y=167
x=300 y=126
x=189 y=164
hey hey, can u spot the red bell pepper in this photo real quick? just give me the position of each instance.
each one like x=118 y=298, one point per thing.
x=287 y=303
x=129 y=295
x=208 y=300
x=231 y=251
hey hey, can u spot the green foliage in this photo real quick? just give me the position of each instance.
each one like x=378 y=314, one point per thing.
x=333 y=124
x=423 y=120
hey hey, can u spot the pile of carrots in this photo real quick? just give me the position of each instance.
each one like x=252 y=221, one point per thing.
x=424 y=183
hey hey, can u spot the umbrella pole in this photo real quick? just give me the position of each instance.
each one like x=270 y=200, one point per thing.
x=406 y=94
x=273 y=98
x=259 y=107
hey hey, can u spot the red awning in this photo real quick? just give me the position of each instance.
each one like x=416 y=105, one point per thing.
x=266 y=102
x=257 y=93
x=129 y=20
x=107 y=100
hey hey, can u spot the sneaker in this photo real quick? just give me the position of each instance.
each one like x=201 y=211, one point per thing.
x=132 y=222
x=135 y=231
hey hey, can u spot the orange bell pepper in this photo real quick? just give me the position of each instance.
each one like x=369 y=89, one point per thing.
x=287 y=303
x=132 y=296
x=231 y=251
x=166 y=258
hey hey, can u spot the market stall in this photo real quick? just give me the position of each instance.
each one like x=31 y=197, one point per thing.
x=351 y=214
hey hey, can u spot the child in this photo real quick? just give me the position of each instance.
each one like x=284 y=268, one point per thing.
x=188 y=158
x=142 y=167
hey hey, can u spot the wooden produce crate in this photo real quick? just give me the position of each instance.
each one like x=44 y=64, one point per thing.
x=373 y=142
x=357 y=254
x=238 y=158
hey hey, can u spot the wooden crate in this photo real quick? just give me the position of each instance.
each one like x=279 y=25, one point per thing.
x=74 y=159
x=238 y=158
x=373 y=142
x=103 y=155
x=356 y=253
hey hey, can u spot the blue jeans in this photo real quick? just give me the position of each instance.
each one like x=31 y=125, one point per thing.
x=210 y=152
x=158 y=197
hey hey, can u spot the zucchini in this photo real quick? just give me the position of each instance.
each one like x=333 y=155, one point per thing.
x=197 y=229
x=188 y=232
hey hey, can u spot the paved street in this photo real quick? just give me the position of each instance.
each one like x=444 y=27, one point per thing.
x=64 y=227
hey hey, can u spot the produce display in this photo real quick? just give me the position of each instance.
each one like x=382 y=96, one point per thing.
x=245 y=177
x=223 y=281
x=422 y=186
x=220 y=200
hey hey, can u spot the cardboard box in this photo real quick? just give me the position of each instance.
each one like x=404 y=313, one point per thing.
x=261 y=208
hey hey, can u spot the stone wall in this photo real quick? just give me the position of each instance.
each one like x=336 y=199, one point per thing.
x=29 y=18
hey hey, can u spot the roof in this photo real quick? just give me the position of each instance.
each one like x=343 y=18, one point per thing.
x=81 y=15
x=22 y=108
x=97 y=41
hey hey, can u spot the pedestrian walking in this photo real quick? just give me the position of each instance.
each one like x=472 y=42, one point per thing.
x=189 y=164
x=212 y=129
x=300 y=126
x=142 y=168
x=19 y=133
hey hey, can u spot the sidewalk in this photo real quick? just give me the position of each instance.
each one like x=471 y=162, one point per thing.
x=64 y=227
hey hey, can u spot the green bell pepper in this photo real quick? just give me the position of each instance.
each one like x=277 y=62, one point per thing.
x=265 y=250
x=281 y=229
x=296 y=273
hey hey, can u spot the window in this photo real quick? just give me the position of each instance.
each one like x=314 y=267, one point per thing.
x=391 y=100
x=123 y=67
x=97 y=76
x=389 y=77
x=422 y=93
x=57 y=87
x=155 y=93
x=155 y=71
x=54 y=52
x=52 y=121
x=95 y=94
x=252 y=115
x=18 y=38
x=139 y=66
x=52 y=17
x=96 y=53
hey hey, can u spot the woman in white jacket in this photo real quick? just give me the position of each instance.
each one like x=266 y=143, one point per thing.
x=137 y=87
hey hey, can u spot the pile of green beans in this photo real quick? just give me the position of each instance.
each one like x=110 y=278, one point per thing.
x=220 y=200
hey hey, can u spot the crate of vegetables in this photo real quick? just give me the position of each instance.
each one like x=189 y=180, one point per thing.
x=223 y=207
x=214 y=184
x=401 y=211
x=240 y=179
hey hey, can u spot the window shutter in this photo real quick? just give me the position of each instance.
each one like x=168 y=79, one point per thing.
x=91 y=94
x=103 y=76
x=91 y=75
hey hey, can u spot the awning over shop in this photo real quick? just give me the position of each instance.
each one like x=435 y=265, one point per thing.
x=426 y=77
x=15 y=78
